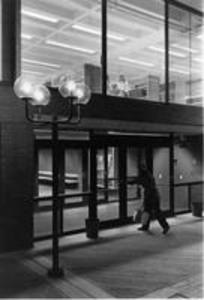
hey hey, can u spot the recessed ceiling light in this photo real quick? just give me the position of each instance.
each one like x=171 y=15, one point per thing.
x=179 y=71
x=98 y=32
x=42 y=63
x=72 y=47
x=33 y=72
x=184 y=48
x=141 y=10
x=174 y=53
x=40 y=16
x=197 y=59
x=26 y=36
x=134 y=61
x=194 y=96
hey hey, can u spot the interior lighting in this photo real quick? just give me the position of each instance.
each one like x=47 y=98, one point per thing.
x=134 y=61
x=174 y=53
x=42 y=63
x=200 y=36
x=72 y=47
x=39 y=16
x=141 y=10
x=26 y=36
x=137 y=9
x=97 y=32
x=179 y=71
x=185 y=48
x=194 y=96
x=197 y=59
x=33 y=72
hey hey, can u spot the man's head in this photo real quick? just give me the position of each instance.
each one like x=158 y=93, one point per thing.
x=142 y=167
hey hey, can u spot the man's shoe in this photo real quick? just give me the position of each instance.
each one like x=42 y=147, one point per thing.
x=166 y=229
x=142 y=228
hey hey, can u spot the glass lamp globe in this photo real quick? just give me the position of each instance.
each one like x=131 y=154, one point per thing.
x=23 y=87
x=68 y=88
x=82 y=93
x=57 y=80
x=41 y=96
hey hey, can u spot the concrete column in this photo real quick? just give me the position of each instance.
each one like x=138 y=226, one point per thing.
x=16 y=143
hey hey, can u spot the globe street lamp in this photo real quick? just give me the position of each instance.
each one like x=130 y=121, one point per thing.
x=36 y=98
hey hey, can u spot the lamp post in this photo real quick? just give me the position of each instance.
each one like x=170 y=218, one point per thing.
x=36 y=97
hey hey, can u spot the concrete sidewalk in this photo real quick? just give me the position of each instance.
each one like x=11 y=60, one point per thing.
x=122 y=263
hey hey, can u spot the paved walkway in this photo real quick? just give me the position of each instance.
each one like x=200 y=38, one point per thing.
x=122 y=263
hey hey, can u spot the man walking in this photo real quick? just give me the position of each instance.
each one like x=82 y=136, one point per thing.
x=151 y=199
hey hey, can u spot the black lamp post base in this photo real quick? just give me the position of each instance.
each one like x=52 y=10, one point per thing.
x=56 y=273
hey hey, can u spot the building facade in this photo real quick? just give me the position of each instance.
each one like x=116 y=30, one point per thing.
x=143 y=61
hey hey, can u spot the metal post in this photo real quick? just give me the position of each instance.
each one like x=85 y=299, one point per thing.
x=55 y=271
x=104 y=46
x=106 y=182
x=122 y=183
x=167 y=63
x=92 y=223
x=171 y=170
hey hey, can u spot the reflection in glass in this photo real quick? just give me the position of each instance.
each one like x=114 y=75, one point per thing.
x=185 y=68
x=107 y=174
x=136 y=64
x=62 y=37
x=107 y=183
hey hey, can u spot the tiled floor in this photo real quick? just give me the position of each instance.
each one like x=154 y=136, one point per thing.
x=122 y=263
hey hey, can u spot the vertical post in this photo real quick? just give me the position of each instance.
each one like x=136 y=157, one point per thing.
x=85 y=168
x=104 y=46
x=106 y=173
x=122 y=183
x=61 y=182
x=171 y=171
x=56 y=271
x=11 y=27
x=166 y=38
x=149 y=157
x=36 y=170
x=189 y=197
x=92 y=223
x=190 y=58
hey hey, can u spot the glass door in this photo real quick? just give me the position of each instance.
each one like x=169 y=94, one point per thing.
x=135 y=155
x=107 y=183
x=157 y=161
x=161 y=172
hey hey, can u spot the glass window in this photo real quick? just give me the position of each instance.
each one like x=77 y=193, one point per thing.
x=195 y=84
x=45 y=172
x=107 y=174
x=134 y=191
x=161 y=175
x=185 y=61
x=107 y=183
x=62 y=37
x=135 y=39
x=73 y=171
x=196 y=4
